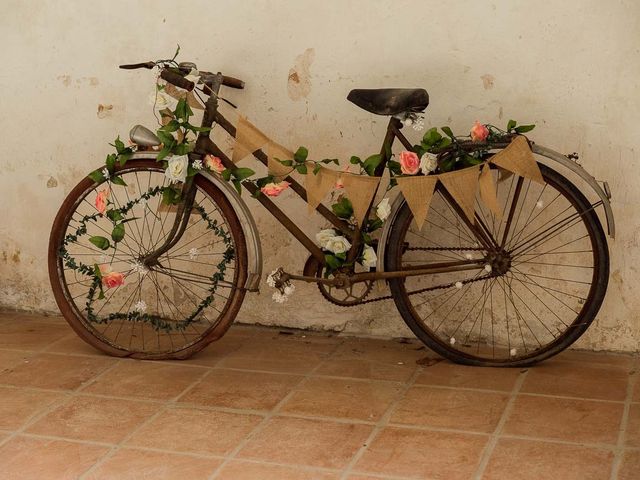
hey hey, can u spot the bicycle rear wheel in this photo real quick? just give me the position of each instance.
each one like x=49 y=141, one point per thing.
x=171 y=309
x=548 y=276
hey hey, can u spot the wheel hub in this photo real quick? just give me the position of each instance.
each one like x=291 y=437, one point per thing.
x=500 y=262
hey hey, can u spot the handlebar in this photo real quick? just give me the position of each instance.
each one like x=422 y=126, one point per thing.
x=178 y=80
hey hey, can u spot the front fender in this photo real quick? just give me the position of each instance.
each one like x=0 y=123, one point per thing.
x=602 y=193
x=249 y=228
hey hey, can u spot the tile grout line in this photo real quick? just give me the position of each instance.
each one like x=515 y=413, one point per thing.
x=624 y=423
x=493 y=439
x=66 y=396
x=382 y=423
x=117 y=447
x=272 y=413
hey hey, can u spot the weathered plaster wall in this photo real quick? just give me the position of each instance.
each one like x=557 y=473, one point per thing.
x=571 y=67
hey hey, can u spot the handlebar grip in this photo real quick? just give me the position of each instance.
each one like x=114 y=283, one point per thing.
x=177 y=80
x=133 y=66
x=232 y=82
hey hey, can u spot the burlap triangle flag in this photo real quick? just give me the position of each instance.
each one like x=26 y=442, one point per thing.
x=318 y=185
x=360 y=191
x=463 y=185
x=274 y=151
x=417 y=191
x=488 y=191
x=518 y=158
x=248 y=139
x=178 y=93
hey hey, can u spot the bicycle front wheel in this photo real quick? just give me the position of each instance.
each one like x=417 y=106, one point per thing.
x=532 y=294
x=123 y=306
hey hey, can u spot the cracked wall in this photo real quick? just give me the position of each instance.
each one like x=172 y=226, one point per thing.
x=572 y=68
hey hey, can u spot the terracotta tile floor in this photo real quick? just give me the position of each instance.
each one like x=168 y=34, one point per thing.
x=267 y=404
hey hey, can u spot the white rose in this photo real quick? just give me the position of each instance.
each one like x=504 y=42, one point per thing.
x=337 y=244
x=383 y=209
x=162 y=100
x=428 y=163
x=323 y=236
x=177 y=169
x=369 y=257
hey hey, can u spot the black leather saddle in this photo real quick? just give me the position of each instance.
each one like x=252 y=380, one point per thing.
x=390 y=101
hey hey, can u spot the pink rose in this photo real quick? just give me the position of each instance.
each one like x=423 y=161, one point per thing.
x=110 y=279
x=113 y=279
x=340 y=182
x=479 y=132
x=213 y=163
x=101 y=200
x=274 y=189
x=409 y=163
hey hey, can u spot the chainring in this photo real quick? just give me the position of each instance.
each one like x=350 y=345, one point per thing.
x=353 y=295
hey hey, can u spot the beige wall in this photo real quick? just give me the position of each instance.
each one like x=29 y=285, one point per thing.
x=571 y=67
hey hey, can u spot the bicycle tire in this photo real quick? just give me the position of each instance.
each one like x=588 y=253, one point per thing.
x=452 y=351
x=88 y=331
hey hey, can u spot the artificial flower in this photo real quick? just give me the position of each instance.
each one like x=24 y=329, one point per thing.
x=409 y=162
x=162 y=100
x=479 y=132
x=197 y=164
x=428 y=163
x=140 y=306
x=101 y=200
x=110 y=279
x=383 y=209
x=177 y=169
x=369 y=257
x=337 y=244
x=213 y=163
x=323 y=237
x=275 y=189
x=279 y=297
x=193 y=253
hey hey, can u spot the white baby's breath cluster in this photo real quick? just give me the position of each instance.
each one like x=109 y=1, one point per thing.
x=283 y=290
x=139 y=268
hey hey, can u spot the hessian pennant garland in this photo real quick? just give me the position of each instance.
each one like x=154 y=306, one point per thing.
x=318 y=185
x=273 y=151
x=248 y=139
x=360 y=190
x=518 y=158
x=463 y=186
x=488 y=191
x=417 y=191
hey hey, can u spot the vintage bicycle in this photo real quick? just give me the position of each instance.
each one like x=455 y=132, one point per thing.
x=507 y=290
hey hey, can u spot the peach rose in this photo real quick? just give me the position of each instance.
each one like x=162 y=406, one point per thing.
x=101 y=200
x=340 y=182
x=113 y=279
x=275 y=189
x=110 y=279
x=409 y=163
x=479 y=132
x=213 y=163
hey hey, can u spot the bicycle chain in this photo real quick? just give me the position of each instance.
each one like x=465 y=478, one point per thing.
x=390 y=297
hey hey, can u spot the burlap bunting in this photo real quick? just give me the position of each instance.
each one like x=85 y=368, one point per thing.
x=248 y=139
x=273 y=151
x=518 y=158
x=360 y=190
x=417 y=191
x=463 y=186
x=488 y=191
x=318 y=185
x=179 y=93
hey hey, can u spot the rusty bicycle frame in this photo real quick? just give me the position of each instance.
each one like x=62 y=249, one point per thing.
x=204 y=145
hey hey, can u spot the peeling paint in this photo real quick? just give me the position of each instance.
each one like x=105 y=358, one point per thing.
x=487 y=81
x=52 y=182
x=104 y=111
x=299 y=79
x=66 y=80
